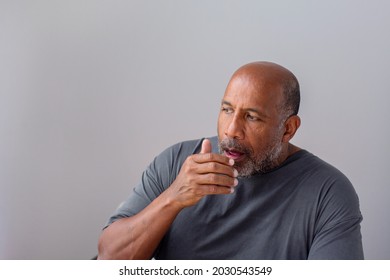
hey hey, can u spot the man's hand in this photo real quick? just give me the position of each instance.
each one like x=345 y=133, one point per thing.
x=202 y=174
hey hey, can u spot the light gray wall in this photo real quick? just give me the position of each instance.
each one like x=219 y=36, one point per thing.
x=91 y=91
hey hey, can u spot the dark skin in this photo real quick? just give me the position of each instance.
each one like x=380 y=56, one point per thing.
x=206 y=173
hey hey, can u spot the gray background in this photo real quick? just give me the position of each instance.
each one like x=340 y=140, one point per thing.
x=91 y=91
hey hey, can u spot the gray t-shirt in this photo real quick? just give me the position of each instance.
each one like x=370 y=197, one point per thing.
x=304 y=209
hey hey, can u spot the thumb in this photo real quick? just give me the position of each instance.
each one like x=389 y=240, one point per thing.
x=206 y=146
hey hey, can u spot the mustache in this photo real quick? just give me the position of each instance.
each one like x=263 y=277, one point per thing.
x=233 y=144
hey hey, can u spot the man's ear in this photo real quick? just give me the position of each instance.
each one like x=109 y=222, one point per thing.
x=290 y=127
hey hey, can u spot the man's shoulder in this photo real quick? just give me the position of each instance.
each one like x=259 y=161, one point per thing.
x=315 y=165
x=318 y=173
x=193 y=146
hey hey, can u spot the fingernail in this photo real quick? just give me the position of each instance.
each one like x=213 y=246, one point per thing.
x=231 y=162
x=235 y=173
x=231 y=190
x=235 y=182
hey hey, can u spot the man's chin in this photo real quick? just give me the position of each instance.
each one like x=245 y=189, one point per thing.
x=244 y=169
x=247 y=168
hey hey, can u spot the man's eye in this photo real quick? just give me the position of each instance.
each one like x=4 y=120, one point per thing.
x=227 y=110
x=252 y=118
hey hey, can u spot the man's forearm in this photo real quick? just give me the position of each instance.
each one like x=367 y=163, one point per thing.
x=137 y=237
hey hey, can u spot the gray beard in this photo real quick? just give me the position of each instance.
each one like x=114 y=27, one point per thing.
x=253 y=164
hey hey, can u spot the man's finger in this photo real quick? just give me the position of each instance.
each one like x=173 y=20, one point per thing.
x=210 y=157
x=217 y=180
x=206 y=147
x=216 y=167
x=206 y=155
x=214 y=189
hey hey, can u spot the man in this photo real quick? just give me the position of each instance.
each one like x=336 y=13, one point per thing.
x=248 y=194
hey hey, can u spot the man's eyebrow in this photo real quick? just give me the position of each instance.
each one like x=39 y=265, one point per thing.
x=226 y=103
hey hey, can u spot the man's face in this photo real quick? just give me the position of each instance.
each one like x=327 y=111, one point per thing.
x=250 y=127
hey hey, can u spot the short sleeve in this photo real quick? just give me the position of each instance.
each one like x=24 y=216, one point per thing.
x=338 y=233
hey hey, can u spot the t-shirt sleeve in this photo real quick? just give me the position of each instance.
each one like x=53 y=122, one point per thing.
x=338 y=234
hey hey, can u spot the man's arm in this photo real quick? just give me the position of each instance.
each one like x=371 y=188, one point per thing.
x=342 y=241
x=338 y=234
x=137 y=237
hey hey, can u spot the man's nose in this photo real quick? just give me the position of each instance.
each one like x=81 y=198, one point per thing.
x=235 y=129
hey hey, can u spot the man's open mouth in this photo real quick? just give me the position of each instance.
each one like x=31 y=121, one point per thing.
x=234 y=154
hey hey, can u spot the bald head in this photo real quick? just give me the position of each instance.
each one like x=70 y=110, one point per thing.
x=262 y=75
